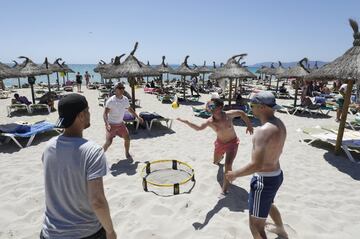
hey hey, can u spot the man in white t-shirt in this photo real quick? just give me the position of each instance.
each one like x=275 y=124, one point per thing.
x=76 y=206
x=115 y=109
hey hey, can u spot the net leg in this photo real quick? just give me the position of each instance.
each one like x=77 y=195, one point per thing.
x=174 y=164
x=176 y=189
x=145 y=185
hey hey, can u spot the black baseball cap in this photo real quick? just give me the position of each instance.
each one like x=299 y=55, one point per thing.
x=69 y=107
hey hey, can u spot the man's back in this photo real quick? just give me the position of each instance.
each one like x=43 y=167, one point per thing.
x=69 y=162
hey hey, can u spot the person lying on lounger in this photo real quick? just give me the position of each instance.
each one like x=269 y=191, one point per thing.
x=20 y=100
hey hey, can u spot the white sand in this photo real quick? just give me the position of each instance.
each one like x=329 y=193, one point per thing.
x=318 y=199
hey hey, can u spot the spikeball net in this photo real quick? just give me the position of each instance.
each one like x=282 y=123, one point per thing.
x=168 y=173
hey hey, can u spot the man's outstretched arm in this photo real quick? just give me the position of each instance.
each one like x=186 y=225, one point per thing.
x=194 y=126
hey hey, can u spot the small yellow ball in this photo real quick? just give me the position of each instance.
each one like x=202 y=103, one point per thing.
x=175 y=105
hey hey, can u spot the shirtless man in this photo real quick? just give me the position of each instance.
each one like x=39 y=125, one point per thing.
x=268 y=143
x=227 y=141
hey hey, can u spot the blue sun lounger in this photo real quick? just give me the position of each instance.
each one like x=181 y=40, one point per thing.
x=13 y=131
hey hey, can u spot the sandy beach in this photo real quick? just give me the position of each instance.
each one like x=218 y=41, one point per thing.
x=319 y=197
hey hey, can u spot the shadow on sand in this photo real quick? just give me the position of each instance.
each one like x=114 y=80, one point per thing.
x=11 y=147
x=157 y=130
x=127 y=166
x=236 y=201
x=343 y=164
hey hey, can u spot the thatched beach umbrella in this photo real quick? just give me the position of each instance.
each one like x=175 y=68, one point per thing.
x=66 y=71
x=47 y=67
x=270 y=71
x=7 y=72
x=164 y=68
x=184 y=70
x=232 y=70
x=109 y=71
x=298 y=72
x=204 y=70
x=132 y=68
x=17 y=67
x=279 y=71
x=31 y=70
x=56 y=67
x=260 y=71
x=346 y=68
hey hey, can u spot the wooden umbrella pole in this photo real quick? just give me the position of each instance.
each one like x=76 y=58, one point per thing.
x=184 y=87
x=277 y=86
x=48 y=78
x=204 y=80
x=230 y=90
x=161 y=81
x=343 y=117
x=57 y=81
x=236 y=86
x=19 y=83
x=132 y=85
x=296 y=91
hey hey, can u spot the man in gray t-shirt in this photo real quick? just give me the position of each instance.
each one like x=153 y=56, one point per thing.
x=76 y=206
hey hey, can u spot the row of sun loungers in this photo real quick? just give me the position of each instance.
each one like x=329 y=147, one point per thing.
x=30 y=109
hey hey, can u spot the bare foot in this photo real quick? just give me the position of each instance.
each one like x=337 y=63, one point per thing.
x=128 y=155
x=280 y=231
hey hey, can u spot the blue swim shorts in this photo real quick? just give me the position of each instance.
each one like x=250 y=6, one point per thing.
x=263 y=188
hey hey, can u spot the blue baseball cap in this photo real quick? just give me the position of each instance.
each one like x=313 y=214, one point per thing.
x=265 y=98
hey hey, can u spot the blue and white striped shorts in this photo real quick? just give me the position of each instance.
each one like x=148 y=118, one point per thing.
x=263 y=188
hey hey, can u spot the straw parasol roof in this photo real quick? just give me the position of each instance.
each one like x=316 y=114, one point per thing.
x=7 y=72
x=262 y=70
x=279 y=70
x=108 y=71
x=345 y=67
x=164 y=68
x=149 y=70
x=232 y=69
x=298 y=71
x=204 y=69
x=31 y=69
x=66 y=68
x=184 y=69
x=270 y=70
x=132 y=67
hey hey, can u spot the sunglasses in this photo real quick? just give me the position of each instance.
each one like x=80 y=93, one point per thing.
x=211 y=106
x=252 y=105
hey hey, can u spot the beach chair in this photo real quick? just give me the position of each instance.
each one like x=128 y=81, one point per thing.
x=130 y=119
x=150 y=90
x=355 y=122
x=13 y=131
x=201 y=112
x=4 y=94
x=17 y=108
x=39 y=108
x=351 y=139
x=151 y=118
x=166 y=98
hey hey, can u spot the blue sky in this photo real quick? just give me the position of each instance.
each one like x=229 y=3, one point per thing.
x=86 y=31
